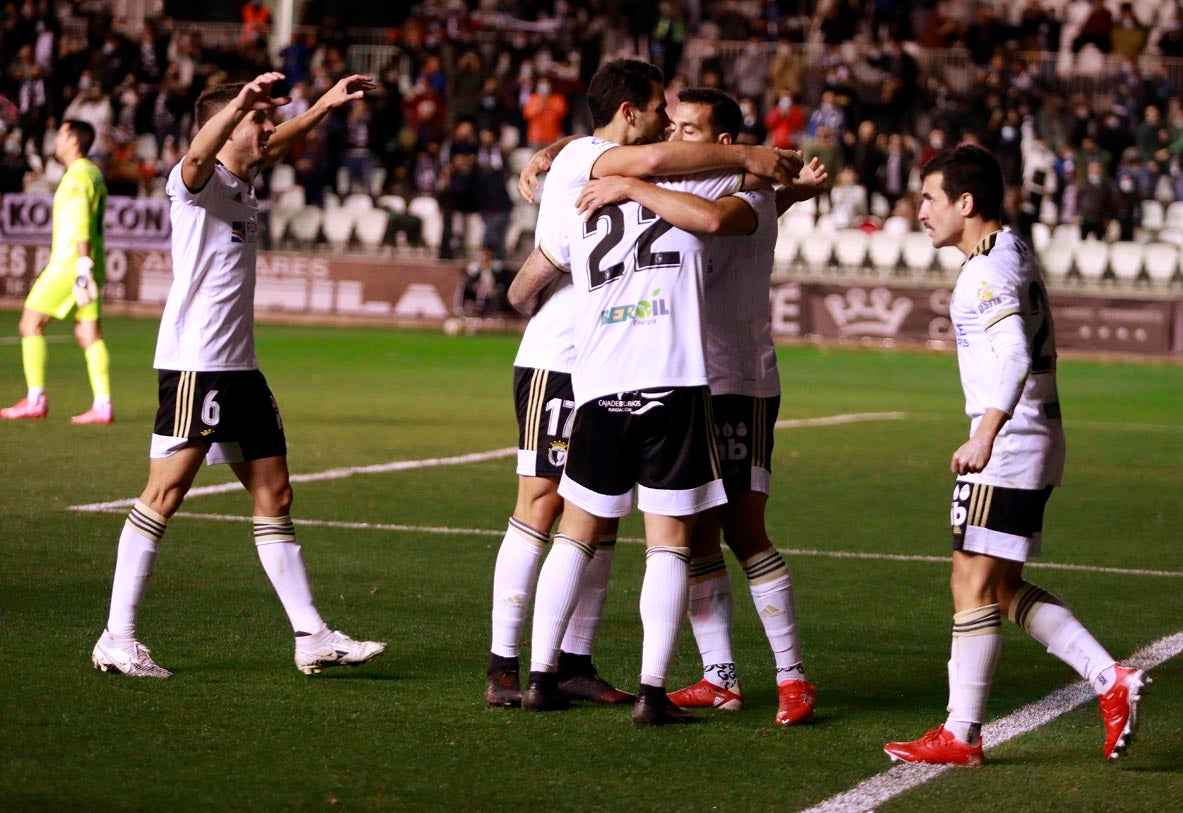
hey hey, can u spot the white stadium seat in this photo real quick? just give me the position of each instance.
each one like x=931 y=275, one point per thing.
x=1056 y=260
x=358 y=202
x=1153 y=215
x=787 y=242
x=1041 y=235
x=899 y=226
x=338 y=226
x=427 y=209
x=850 y=247
x=884 y=249
x=305 y=224
x=1125 y=259
x=1066 y=234
x=1092 y=258
x=950 y=259
x=283 y=178
x=393 y=203
x=1174 y=216
x=1161 y=260
x=918 y=251
x=371 y=227
x=816 y=250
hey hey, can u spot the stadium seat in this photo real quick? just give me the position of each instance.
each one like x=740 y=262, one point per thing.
x=785 y=252
x=1125 y=258
x=1174 y=216
x=146 y=147
x=808 y=206
x=880 y=208
x=1041 y=236
x=1056 y=260
x=1048 y=213
x=950 y=259
x=522 y=219
x=342 y=185
x=393 y=203
x=1153 y=215
x=918 y=252
x=799 y=223
x=1161 y=261
x=427 y=209
x=850 y=248
x=371 y=227
x=283 y=178
x=1067 y=234
x=338 y=226
x=305 y=225
x=358 y=202
x=896 y=225
x=377 y=180
x=1092 y=258
x=817 y=249
x=474 y=231
x=1173 y=236
x=332 y=201
x=518 y=160
x=884 y=249
x=825 y=223
x=291 y=200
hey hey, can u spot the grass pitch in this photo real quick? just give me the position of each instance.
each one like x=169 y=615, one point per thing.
x=238 y=728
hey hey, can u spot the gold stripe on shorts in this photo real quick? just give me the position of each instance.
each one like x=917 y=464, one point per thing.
x=711 y=445
x=534 y=408
x=984 y=510
x=973 y=504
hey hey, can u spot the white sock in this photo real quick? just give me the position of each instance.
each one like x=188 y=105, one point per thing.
x=555 y=598
x=101 y=401
x=1047 y=620
x=514 y=577
x=141 y=534
x=664 y=596
x=710 y=618
x=772 y=593
x=585 y=620
x=275 y=541
x=35 y=393
x=977 y=644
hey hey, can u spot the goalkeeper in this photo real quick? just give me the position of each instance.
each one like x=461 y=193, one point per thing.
x=71 y=281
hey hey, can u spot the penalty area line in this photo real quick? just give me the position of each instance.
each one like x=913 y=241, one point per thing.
x=871 y=793
x=112 y=508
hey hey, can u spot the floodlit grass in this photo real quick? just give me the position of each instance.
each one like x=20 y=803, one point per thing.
x=238 y=728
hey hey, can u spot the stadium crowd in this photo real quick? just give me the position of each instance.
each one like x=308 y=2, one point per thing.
x=849 y=81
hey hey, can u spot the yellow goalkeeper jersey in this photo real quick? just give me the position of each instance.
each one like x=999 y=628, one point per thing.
x=79 y=206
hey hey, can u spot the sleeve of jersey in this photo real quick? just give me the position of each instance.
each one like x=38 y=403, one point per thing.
x=997 y=295
x=175 y=186
x=712 y=185
x=570 y=171
x=549 y=235
x=76 y=210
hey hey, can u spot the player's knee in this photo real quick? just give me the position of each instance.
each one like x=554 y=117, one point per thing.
x=164 y=500
x=87 y=333
x=540 y=509
x=31 y=324
x=274 y=501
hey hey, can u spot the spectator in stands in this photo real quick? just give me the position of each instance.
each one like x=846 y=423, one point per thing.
x=786 y=72
x=1039 y=177
x=467 y=82
x=784 y=122
x=168 y=107
x=1039 y=30
x=1127 y=202
x=825 y=149
x=312 y=167
x=544 y=113
x=459 y=195
x=294 y=59
x=13 y=165
x=1094 y=202
x=33 y=102
x=940 y=29
x=298 y=103
x=752 y=129
x=92 y=106
x=486 y=281
x=864 y=155
x=1128 y=35
x=750 y=69
x=1097 y=29
x=669 y=37
x=256 y=22
x=897 y=166
x=359 y=161
x=1152 y=138
x=848 y=200
x=984 y=35
x=828 y=115
x=495 y=203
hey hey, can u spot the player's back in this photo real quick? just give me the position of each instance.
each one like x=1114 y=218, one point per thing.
x=1002 y=279
x=741 y=357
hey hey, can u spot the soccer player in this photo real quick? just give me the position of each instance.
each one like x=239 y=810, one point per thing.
x=71 y=282
x=1006 y=349
x=214 y=403
x=639 y=379
x=545 y=405
x=745 y=399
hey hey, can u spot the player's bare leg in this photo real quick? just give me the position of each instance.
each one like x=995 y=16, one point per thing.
x=558 y=591
x=33 y=357
x=169 y=479
x=317 y=646
x=98 y=363
x=664 y=596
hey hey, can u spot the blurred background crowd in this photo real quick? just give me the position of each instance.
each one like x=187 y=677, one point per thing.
x=1079 y=100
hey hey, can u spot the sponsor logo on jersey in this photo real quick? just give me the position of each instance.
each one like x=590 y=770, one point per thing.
x=645 y=312
x=243 y=231
x=987 y=304
x=985 y=292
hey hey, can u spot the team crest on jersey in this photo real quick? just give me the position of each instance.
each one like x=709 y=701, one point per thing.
x=557 y=453
x=243 y=231
x=644 y=312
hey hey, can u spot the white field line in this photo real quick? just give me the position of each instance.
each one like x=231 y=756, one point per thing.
x=431 y=462
x=868 y=795
x=111 y=508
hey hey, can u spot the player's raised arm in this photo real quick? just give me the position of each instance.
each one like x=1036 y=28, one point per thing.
x=683 y=158
x=684 y=210
x=810 y=183
x=290 y=132
x=539 y=163
x=254 y=99
x=535 y=275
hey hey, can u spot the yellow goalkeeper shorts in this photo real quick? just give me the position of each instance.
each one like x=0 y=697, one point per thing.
x=53 y=295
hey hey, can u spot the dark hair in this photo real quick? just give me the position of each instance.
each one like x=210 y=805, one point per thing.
x=617 y=82
x=970 y=168
x=726 y=117
x=81 y=130
x=213 y=99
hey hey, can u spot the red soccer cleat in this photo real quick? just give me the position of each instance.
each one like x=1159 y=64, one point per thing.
x=797 y=699
x=103 y=414
x=24 y=408
x=938 y=747
x=706 y=695
x=1119 y=708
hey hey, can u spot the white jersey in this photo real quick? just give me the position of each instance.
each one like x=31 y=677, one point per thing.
x=549 y=340
x=209 y=318
x=639 y=296
x=741 y=358
x=1000 y=279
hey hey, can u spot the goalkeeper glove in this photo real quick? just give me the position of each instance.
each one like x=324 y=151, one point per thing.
x=85 y=288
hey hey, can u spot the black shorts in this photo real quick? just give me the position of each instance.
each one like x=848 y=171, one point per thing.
x=1006 y=523
x=659 y=441
x=744 y=430
x=545 y=407
x=233 y=412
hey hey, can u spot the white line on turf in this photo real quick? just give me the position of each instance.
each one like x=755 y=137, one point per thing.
x=835 y=420
x=113 y=508
x=871 y=793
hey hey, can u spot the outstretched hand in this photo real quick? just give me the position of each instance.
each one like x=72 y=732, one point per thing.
x=348 y=89
x=812 y=177
x=528 y=179
x=782 y=166
x=256 y=94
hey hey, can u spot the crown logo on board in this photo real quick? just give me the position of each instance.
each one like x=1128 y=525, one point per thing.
x=876 y=312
